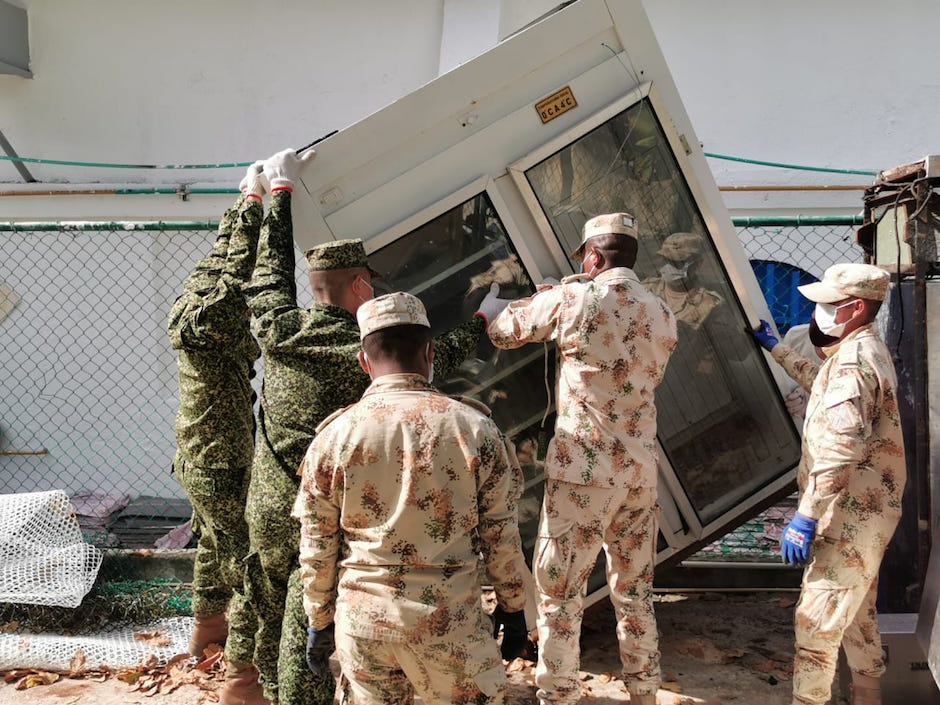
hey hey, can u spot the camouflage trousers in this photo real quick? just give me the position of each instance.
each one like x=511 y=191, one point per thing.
x=576 y=522
x=276 y=641
x=218 y=499
x=837 y=606
x=465 y=669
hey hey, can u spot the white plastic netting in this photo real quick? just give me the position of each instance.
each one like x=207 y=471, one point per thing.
x=44 y=560
x=129 y=646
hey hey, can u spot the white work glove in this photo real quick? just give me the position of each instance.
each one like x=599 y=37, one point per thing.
x=284 y=168
x=253 y=183
x=547 y=283
x=491 y=305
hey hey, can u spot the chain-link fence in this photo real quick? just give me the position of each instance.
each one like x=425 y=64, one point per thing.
x=88 y=387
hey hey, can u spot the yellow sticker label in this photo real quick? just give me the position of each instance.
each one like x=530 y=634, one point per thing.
x=558 y=103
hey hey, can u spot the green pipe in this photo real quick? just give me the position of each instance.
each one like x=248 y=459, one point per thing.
x=108 y=225
x=795 y=221
x=787 y=221
x=799 y=167
x=112 y=165
x=174 y=191
x=227 y=165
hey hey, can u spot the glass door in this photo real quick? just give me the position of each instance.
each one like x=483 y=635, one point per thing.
x=722 y=426
x=449 y=262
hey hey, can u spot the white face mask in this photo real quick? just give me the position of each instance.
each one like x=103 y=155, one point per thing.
x=430 y=364
x=672 y=273
x=826 y=318
x=371 y=290
x=590 y=273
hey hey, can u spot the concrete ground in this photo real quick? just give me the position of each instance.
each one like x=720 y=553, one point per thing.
x=727 y=648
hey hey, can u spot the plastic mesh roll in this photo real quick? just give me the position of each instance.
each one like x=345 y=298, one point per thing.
x=130 y=646
x=44 y=559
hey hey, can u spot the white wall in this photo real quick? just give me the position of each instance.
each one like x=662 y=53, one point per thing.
x=845 y=84
x=842 y=83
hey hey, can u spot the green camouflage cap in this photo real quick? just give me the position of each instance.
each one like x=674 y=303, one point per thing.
x=395 y=309
x=848 y=280
x=681 y=246
x=338 y=254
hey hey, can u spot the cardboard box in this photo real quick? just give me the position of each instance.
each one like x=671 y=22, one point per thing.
x=907 y=680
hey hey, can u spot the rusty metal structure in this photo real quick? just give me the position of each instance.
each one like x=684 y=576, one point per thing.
x=901 y=233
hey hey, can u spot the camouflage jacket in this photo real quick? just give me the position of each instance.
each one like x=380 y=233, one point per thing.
x=852 y=472
x=311 y=367
x=802 y=369
x=208 y=327
x=614 y=339
x=407 y=489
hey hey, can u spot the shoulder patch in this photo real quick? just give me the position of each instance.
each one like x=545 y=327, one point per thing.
x=331 y=418
x=575 y=278
x=848 y=354
x=473 y=403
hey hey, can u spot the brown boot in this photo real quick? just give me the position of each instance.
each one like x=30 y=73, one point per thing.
x=866 y=690
x=208 y=630
x=241 y=686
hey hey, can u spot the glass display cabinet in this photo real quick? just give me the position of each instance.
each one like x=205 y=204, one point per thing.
x=488 y=173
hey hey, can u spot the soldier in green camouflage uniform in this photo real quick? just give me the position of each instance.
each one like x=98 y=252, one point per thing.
x=310 y=370
x=208 y=327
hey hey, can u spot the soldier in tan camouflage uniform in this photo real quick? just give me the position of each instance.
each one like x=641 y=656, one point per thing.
x=208 y=327
x=677 y=283
x=851 y=478
x=401 y=494
x=310 y=370
x=614 y=339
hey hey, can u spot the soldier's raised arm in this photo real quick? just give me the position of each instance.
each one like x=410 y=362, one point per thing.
x=272 y=289
x=210 y=312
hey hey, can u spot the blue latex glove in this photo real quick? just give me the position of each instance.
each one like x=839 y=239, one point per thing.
x=765 y=336
x=797 y=538
x=320 y=644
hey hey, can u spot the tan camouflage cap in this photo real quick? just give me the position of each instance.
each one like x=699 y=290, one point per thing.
x=338 y=254
x=847 y=280
x=395 y=309
x=681 y=246
x=621 y=223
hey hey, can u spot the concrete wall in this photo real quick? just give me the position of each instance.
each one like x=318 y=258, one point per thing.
x=846 y=84
x=842 y=84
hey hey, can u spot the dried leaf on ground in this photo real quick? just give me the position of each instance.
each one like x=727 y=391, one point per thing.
x=671 y=686
x=155 y=638
x=37 y=678
x=129 y=675
x=77 y=664
x=211 y=660
x=703 y=649
x=517 y=665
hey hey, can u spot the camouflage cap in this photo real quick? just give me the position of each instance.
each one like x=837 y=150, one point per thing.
x=395 y=309
x=338 y=254
x=681 y=246
x=620 y=223
x=848 y=280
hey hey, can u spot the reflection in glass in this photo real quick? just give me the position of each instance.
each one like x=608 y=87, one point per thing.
x=450 y=263
x=720 y=418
